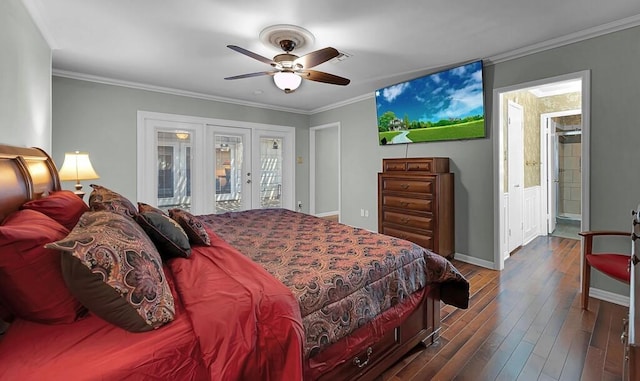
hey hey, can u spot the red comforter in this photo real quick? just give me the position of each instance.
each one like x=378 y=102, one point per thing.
x=233 y=322
x=247 y=322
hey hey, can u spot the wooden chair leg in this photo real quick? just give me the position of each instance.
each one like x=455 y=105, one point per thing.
x=586 y=283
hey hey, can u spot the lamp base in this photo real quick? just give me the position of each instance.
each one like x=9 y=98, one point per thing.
x=79 y=191
x=79 y=194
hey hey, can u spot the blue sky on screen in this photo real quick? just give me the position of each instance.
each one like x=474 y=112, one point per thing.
x=453 y=93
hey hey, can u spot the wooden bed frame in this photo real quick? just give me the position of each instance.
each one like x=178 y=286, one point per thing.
x=29 y=173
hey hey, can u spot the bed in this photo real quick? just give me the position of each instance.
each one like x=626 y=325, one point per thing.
x=272 y=295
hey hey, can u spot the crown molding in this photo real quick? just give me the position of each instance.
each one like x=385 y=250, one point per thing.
x=582 y=35
x=170 y=91
x=341 y=103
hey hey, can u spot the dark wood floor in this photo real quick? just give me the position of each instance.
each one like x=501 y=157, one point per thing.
x=524 y=323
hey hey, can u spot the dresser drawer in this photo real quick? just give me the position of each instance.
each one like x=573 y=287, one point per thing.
x=423 y=240
x=423 y=185
x=415 y=204
x=423 y=165
x=419 y=222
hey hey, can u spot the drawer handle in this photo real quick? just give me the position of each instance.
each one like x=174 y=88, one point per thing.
x=360 y=364
x=404 y=186
x=404 y=203
x=405 y=220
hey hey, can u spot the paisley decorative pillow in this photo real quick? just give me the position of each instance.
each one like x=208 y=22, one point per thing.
x=102 y=198
x=192 y=226
x=114 y=270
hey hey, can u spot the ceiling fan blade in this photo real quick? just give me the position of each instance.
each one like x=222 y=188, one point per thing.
x=253 y=55
x=249 y=75
x=317 y=57
x=320 y=76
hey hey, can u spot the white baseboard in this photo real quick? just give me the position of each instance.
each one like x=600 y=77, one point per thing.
x=609 y=296
x=325 y=214
x=474 y=261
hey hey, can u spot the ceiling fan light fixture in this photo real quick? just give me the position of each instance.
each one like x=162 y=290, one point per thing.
x=287 y=81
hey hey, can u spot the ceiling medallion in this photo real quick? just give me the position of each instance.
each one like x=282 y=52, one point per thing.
x=272 y=36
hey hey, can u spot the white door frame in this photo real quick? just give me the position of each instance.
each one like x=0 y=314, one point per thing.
x=498 y=154
x=202 y=176
x=548 y=160
x=312 y=167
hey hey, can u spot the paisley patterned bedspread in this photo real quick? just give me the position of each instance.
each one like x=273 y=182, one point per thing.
x=342 y=276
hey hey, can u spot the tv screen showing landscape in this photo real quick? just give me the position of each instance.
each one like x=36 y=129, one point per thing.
x=447 y=105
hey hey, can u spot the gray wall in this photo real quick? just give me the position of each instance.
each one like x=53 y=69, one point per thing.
x=25 y=79
x=615 y=136
x=102 y=120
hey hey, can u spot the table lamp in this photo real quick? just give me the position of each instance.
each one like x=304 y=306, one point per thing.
x=77 y=166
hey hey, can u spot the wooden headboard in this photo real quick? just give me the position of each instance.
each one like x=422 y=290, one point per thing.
x=25 y=174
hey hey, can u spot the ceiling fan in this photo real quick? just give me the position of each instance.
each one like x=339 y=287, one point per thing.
x=289 y=69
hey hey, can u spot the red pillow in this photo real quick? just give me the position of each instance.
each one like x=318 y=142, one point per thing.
x=31 y=283
x=63 y=206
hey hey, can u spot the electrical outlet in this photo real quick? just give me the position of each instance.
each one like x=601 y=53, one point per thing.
x=361 y=212
x=366 y=213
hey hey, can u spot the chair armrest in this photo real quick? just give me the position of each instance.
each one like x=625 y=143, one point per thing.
x=592 y=233
x=587 y=249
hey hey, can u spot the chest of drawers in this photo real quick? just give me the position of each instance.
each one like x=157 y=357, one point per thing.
x=415 y=202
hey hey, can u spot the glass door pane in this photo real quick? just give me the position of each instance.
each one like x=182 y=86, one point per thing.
x=271 y=172
x=174 y=170
x=230 y=173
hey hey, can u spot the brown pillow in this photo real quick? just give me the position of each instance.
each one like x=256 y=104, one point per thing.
x=114 y=270
x=102 y=198
x=170 y=239
x=192 y=226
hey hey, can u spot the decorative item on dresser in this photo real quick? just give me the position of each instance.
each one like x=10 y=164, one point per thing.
x=631 y=336
x=415 y=202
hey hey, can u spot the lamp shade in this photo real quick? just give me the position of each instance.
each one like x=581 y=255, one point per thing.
x=287 y=81
x=76 y=167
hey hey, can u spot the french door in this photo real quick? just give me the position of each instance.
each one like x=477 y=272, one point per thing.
x=214 y=167
x=232 y=163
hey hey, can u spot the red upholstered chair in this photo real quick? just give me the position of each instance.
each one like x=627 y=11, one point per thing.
x=615 y=265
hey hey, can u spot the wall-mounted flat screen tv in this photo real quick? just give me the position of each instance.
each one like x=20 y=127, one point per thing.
x=446 y=105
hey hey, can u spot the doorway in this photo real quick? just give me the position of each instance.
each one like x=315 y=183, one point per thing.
x=324 y=171
x=563 y=134
x=562 y=93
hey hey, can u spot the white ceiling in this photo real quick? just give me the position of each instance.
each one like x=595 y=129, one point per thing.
x=181 y=44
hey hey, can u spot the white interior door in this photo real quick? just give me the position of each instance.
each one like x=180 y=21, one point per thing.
x=515 y=154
